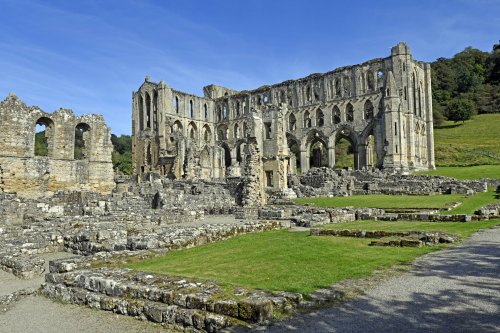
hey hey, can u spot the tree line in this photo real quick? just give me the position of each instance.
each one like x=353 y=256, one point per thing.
x=466 y=84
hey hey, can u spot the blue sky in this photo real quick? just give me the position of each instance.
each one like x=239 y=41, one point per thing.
x=89 y=55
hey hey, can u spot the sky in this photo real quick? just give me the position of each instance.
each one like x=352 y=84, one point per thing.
x=90 y=55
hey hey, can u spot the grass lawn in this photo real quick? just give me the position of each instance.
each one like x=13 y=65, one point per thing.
x=295 y=261
x=281 y=260
x=469 y=203
x=459 y=228
x=384 y=201
x=472 y=143
x=472 y=172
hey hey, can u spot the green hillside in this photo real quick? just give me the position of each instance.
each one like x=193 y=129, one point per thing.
x=475 y=142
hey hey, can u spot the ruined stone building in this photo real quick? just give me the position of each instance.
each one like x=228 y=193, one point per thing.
x=382 y=107
x=59 y=167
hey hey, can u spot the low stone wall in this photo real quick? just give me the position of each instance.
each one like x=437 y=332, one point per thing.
x=104 y=240
x=177 y=302
x=415 y=238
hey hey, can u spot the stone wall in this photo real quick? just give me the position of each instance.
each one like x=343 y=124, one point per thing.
x=328 y=182
x=28 y=175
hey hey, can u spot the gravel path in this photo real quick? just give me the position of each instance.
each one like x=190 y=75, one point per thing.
x=454 y=290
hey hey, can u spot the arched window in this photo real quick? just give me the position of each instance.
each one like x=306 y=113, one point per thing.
x=338 y=89
x=347 y=86
x=155 y=110
x=205 y=110
x=192 y=130
x=307 y=120
x=349 y=111
x=308 y=93
x=207 y=133
x=148 y=111
x=222 y=132
x=370 y=81
x=44 y=137
x=191 y=112
x=320 y=118
x=141 y=112
x=419 y=96
x=219 y=113
x=292 y=122
x=177 y=127
x=380 y=75
x=414 y=83
x=176 y=104
x=336 y=115
x=82 y=142
x=238 y=109
x=368 y=110
x=235 y=131
x=226 y=112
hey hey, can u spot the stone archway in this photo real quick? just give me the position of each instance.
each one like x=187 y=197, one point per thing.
x=346 y=152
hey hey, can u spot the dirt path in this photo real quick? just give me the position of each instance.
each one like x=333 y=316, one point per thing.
x=454 y=290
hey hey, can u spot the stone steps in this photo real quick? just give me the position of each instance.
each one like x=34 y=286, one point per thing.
x=161 y=298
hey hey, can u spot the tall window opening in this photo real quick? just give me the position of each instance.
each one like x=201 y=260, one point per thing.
x=82 y=142
x=44 y=136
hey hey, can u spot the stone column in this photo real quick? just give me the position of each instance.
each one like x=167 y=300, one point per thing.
x=361 y=156
x=331 y=157
x=304 y=161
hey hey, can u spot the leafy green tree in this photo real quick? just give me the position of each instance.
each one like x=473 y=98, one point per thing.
x=41 y=144
x=460 y=110
x=122 y=153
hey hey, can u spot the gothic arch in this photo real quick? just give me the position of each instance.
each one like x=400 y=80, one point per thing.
x=192 y=131
x=292 y=122
x=369 y=113
x=82 y=142
x=320 y=118
x=46 y=125
x=207 y=134
x=336 y=115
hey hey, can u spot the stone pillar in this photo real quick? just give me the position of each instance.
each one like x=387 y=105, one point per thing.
x=304 y=161
x=361 y=156
x=331 y=157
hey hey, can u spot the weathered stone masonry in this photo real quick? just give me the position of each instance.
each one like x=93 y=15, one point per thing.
x=382 y=107
x=24 y=173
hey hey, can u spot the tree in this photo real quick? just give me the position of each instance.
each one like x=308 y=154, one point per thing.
x=122 y=153
x=460 y=110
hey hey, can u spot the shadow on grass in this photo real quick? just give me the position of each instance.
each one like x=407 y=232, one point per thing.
x=449 y=126
x=455 y=290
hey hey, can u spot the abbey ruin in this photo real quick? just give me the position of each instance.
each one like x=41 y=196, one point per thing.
x=207 y=169
x=383 y=107
x=25 y=173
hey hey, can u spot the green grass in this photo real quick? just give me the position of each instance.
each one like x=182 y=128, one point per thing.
x=472 y=203
x=469 y=203
x=294 y=261
x=472 y=143
x=463 y=229
x=280 y=260
x=471 y=172
x=384 y=201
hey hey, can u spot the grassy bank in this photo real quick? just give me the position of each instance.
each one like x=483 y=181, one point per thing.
x=473 y=143
x=466 y=173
